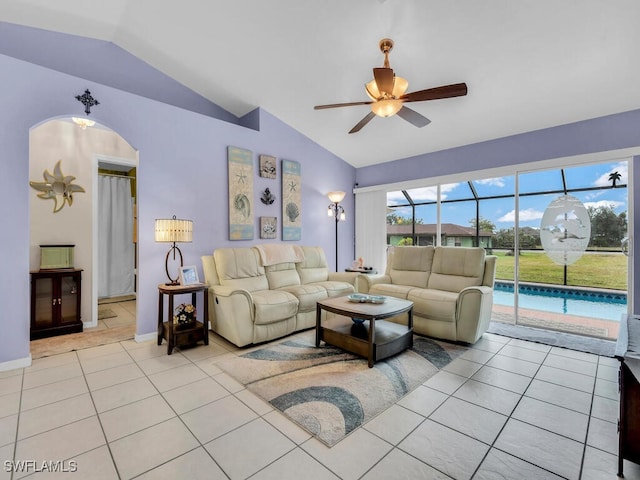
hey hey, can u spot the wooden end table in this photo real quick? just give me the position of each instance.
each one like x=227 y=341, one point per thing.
x=374 y=338
x=184 y=336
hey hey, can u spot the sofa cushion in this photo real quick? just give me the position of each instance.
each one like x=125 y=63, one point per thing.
x=282 y=275
x=454 y=269
x=336 y=288
x=314 y=266
x=240 y=268
x=410 y=265
x=273 y=306
x=307 y=295
x=397 y=291
x=434 y=304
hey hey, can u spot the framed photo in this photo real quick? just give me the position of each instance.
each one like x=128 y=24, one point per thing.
x=267 y=166
x=268 y=227
x=189 y=275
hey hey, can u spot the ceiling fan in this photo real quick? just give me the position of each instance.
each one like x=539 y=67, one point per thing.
x=387 y=93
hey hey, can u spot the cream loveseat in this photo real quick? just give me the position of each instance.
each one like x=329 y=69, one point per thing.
x=265 y=292
x=451 y=289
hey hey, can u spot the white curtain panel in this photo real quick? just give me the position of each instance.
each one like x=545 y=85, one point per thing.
x=371 y=228
x=115 y=237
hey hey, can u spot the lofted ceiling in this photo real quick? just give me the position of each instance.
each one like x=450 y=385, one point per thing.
x=528 y=64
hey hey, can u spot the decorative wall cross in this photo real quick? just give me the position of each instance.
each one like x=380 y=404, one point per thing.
x=87 y=100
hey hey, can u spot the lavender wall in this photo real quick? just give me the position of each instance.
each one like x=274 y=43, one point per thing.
x=596 y=135
x=102 y=62
x=182 y=171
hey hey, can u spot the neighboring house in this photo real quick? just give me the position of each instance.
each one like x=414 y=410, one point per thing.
x=450 y=235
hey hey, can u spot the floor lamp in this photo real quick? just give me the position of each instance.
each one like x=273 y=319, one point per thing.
x=336 y=211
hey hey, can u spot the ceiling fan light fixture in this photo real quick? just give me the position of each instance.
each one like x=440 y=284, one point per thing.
x=400 y=86
x=386 y=108
x=372 y=90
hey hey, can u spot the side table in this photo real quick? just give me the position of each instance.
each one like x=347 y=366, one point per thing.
x=184 y=336
x=361 y=270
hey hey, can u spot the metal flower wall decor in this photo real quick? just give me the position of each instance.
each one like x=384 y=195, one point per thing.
x=57 y=187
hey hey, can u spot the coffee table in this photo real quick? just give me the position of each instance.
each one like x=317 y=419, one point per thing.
x=373 y=338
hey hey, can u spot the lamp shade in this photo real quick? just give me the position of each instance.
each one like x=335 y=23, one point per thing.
x=386 y=108
x=173 y=230
x=336 y=197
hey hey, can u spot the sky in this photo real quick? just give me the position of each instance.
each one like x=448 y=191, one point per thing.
x=531 y=209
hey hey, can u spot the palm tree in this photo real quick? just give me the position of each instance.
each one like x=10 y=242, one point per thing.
x=614 y=177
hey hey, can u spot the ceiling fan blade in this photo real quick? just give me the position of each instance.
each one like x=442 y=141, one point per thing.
x=446 y=91
x=336 y=105
x=384 y=79
x=362 y=122
x=413 y=117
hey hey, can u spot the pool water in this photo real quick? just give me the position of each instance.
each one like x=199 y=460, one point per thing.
x=584 y=303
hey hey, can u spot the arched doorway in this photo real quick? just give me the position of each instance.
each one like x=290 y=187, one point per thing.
x=75 y=223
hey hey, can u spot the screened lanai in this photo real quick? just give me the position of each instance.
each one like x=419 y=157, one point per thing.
x=559 y=234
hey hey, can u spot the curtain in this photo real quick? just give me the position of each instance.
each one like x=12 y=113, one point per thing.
x=115 y=237
x=371 y=228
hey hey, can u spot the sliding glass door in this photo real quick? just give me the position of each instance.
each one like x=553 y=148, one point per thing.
x=557 y=234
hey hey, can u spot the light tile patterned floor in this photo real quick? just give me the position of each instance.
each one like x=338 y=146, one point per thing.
x=506 y=409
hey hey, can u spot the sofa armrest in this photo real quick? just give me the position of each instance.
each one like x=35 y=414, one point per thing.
x=232 y=314
x=348 y=277
x=366 y=281
x=473 y=313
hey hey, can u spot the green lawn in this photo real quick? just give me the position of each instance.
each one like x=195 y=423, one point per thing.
x=600 y=270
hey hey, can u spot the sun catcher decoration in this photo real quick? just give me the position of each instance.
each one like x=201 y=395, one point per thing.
x=240 y=194
x=565 y=230
x=57 y=187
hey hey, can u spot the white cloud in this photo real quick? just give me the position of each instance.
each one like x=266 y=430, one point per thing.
x=621 y=168
x=525 y=215
x=494 y=182
x=604 y=203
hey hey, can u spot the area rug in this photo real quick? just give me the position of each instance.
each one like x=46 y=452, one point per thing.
x=119 y=299
x=106 y=313
x=328 y=392
x=45 y=347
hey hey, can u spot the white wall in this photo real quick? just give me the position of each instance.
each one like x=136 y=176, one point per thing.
x=62 y=140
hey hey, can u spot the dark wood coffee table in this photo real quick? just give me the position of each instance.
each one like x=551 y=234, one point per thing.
x=374 y=338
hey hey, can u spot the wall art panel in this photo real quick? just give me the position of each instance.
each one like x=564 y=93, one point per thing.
x=291 y=200
x=241 y=221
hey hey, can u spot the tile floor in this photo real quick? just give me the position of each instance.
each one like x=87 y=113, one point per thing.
x=125 y=315
x=507 y=409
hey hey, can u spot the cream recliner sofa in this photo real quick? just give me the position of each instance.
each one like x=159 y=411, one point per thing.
x=261 y=293
x=451 y=289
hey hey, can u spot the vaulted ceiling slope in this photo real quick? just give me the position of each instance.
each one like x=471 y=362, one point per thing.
x=529 y=64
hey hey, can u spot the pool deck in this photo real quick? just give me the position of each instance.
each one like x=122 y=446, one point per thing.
x=592 y=327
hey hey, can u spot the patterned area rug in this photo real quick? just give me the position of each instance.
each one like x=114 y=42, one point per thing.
x=329 y=392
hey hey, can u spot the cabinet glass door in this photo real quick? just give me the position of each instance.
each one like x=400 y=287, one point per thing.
x=68 y=299
x=45 y=302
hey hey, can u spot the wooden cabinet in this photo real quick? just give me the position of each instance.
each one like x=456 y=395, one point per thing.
x=55 y=302
x=628 y=352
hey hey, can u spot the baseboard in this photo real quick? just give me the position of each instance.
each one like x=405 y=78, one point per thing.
x=13 y=364
x=146 y=337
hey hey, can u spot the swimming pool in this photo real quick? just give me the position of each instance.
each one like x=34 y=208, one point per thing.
x=606 y=305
